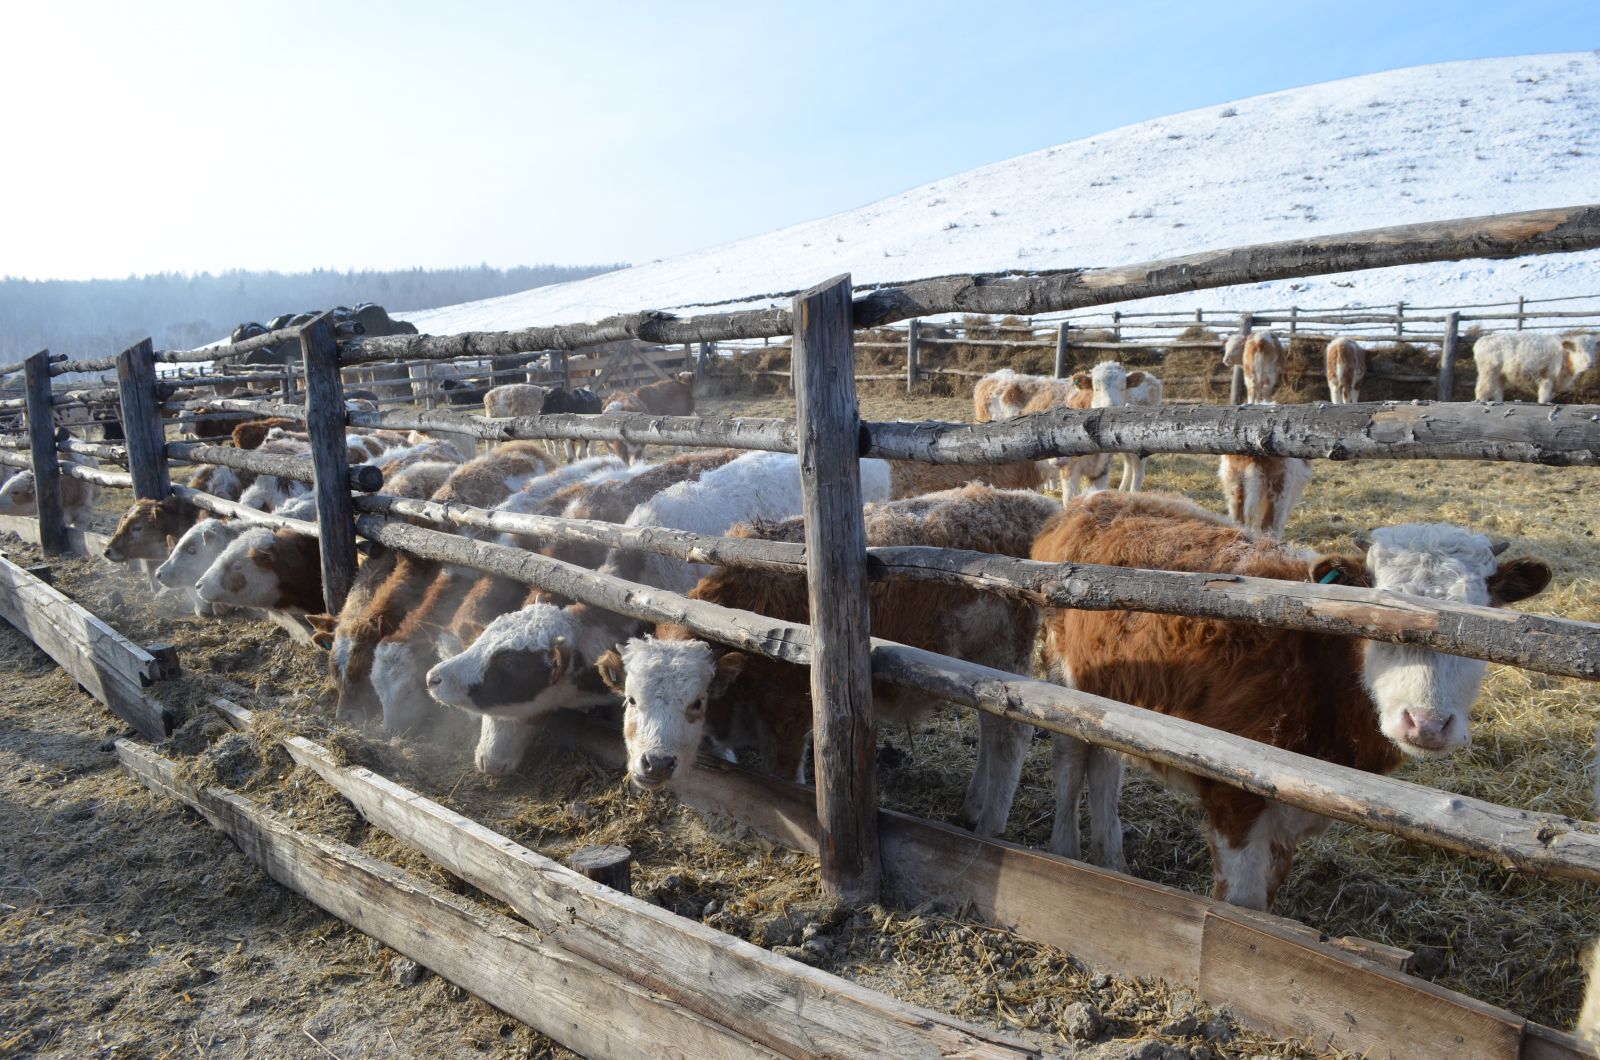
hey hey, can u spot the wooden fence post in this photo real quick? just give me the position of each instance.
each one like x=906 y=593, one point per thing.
x=565 y=369
x=1447 y=356
x=705 y=361
x=1236 y=385
x=141 y=422
x=836 y=574
x=1294 y=321
x=319 y=351
x=911 y=355
x=1400 y=322
x=1063 y=339
x=52 y=516
x=1116 y=324
x=1522 y=304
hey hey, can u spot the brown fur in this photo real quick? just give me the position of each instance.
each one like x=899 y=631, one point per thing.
x=1292 y=689
x=1346 y=364
x=144 y=529
x=251 y=433
x=921 y=614
x=912 y=478
x=206 y=481
x=295 y=559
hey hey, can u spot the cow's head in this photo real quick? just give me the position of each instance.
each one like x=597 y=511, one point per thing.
x=17 y=495
x=190 y=556
x=523 y=664
x=245 y=574
x=1424 y=698
x=665 y=687
x=1581 y=352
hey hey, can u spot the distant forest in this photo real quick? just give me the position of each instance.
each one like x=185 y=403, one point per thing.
x=98 y=318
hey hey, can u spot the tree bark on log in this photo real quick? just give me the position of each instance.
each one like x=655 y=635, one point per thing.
x=365 y=477
x=141 y=422
x=1497 y=236
x=50 y=511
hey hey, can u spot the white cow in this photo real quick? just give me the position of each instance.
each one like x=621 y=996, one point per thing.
x=1549 y=364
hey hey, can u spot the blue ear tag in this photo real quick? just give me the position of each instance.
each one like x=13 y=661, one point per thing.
x=1329 y=578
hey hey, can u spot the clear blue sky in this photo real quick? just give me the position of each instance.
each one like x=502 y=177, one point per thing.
x=164 y=136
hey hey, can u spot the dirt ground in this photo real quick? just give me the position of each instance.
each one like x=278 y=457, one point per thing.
x=129 y=928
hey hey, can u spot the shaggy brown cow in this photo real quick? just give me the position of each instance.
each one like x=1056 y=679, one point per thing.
x=1362 y=704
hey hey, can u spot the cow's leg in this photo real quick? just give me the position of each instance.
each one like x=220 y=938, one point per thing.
x=1132 y=473
x=1105 y=819
x=1547 y=391
x=1002 y=745
x=1069 y=764
x=1489 y=386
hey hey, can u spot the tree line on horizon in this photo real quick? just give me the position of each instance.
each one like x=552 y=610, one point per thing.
x=98 y=318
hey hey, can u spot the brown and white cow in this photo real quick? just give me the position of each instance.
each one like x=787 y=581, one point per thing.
x=665 y=397
x=1546 y=364
x=1346 y=366
x=1260 y=491
x=1363 y=704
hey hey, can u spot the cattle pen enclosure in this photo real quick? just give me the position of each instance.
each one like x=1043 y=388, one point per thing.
x=1275 y=974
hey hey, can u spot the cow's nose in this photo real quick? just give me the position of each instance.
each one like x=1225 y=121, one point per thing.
x=658 y=767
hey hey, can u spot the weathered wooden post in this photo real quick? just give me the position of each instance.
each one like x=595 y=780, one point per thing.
x=1199 y=316
x=911 y=355
x=1294 y=321
x=52 y=516
x=319 y=351
x=1522 y=305
x=707 y=353
x=836 y=574
x=565 y=369
x=1447 y=356
x=1236 y=395
x=1116 y=325
x=1400 y=322
x=1062 y=341
x=141 y=422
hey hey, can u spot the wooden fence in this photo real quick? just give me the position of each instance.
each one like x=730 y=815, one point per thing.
x=843 y=824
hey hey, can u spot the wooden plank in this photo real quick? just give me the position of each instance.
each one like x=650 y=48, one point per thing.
x=141 y=421
x=51 y=512
x=787 y=1006
x=586 y=1008
x=1447 y=357
x=79 y=542
x=325 y=418
x=1312 y=991
x=110 y=667
x=1118 y=922
x=845 y=751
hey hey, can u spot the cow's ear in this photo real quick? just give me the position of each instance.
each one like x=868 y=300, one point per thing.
x=1517 y=579
x=1135 y=379
x=729 y=666
x=172 y=542
x=1082 y=381
x=560 y=660
x=611 y=672
x=261 y=557
x=1341 y=570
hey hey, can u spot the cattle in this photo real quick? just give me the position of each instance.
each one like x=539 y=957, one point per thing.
x=515 y=399
x=18 y=496
x=1260 y=491
x=1366 y=705
x=192 y=554
x=274 y=570
x=252 y=433
x=267 y=492
x=1346 y=366
x=148 y=528
x=673 y=683
x=1546 y=364
x=482 y=482
x=401 y=660
x=582 y=402
x=665 y=397
x=541 y=658
x=1105 y=386
x=1144 y=392
x=1004 y=394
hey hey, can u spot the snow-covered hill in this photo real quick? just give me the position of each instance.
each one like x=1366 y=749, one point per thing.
x=1427 y=143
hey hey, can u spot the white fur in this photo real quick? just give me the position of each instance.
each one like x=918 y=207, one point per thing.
x=1345 y=364
x=1148 y=394
x=666 y=683
x=501 y=744
x=299 y=508
x=536 y=628
x=1254 y=475
x=515 y=399
x=1546 y=363
x=1109 y=380
x=260 y=587
x=78 y=498
x=193 y=555
x=1246 y=871
x=1441 y=562
x=756 y=486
